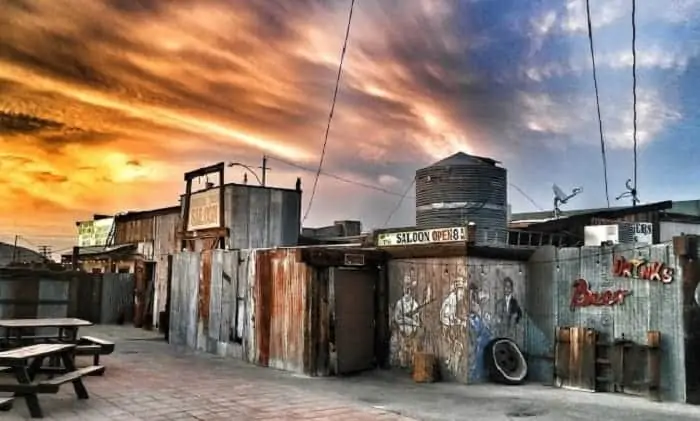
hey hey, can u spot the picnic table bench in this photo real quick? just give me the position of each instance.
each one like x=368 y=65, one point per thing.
x=17 y=334
x=27 y=362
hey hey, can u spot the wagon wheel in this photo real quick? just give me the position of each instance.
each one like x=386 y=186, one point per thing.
x=506 y=358
x=506 y=363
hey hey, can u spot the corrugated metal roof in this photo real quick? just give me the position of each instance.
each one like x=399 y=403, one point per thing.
x=461 y=158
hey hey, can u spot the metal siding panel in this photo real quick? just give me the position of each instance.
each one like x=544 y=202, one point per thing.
x=191 y=297
x=542 y=314
x=288 y=277
x=215 y=305
x=651 y=306
x=258 y=218
x=117 y=297
x=275 y=222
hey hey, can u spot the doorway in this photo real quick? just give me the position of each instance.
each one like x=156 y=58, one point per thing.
x=354 y=294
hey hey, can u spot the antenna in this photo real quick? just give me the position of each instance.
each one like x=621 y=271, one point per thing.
x=631 y=192
x=561 y=198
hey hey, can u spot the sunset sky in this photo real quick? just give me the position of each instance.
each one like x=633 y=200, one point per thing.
x=105 y=103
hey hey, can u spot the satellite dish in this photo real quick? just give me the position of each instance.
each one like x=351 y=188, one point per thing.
x=561 y=198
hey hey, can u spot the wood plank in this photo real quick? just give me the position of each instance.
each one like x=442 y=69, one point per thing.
x=49 y=322
x=6 y=403
x=73 y=375
x=34 y=351
x=96 y=340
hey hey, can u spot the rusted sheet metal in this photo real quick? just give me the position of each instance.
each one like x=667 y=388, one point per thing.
x=281 y=309
x=205 y=286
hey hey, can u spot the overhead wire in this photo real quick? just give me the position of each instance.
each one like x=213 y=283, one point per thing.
x=634 y=96
x=597 y=102
x=400 y=202
x=339 y=178
x=330 y=115
x=526 y=196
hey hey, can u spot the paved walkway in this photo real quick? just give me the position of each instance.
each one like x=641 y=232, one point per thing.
x=147 y=379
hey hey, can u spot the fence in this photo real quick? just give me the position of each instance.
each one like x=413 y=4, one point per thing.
x=32 y=293
x=209 y=307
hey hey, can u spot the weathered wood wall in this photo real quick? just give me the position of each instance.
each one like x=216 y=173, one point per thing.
x=453 y=307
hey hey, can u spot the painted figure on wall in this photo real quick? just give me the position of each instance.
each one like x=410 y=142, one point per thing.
x=508 y=308
x=454 y=319
x=406 y=319
x=480 y=335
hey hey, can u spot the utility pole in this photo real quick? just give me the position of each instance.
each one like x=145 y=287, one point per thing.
x=14 y=250
x=265 y=169
x=45 y=251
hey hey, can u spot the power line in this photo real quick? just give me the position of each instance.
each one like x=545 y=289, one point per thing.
x=526 y=196
x=398 y=204
x=597 y=103
x=330 y=115
x=339 y=178
x=634 y=86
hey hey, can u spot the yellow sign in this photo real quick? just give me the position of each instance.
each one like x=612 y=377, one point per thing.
x=94 y=233
x=204 y=210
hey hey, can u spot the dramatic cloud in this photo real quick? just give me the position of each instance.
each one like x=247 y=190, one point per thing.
x=104 y=104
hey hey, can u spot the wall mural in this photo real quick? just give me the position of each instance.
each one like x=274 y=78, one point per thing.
x=453 y=311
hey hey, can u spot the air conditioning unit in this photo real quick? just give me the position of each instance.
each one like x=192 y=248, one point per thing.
x=595 y=235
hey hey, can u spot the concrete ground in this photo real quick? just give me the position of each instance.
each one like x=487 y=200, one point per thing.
x=146 y=379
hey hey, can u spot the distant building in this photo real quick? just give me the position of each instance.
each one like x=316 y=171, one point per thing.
x=667 y=219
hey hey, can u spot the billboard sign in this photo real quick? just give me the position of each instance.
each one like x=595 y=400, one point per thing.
x=94 y=233
x=204 y=210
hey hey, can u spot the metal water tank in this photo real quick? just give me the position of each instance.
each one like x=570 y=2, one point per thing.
x=460 y=189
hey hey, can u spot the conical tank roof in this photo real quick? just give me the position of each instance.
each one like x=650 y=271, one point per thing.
x=461 y=158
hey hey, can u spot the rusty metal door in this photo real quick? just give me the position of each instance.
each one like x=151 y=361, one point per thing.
x=354 y=319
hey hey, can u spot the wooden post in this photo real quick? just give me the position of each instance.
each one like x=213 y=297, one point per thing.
x=74 y=258
x=424 y=367
x=654 y=364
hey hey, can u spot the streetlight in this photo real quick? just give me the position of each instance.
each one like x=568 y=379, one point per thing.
x=250 y=170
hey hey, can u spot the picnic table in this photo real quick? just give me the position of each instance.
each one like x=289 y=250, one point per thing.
x=22 y=331
x=27 y=362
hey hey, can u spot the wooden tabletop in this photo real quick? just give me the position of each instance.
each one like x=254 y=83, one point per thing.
x=30 y=323
x=34 y=351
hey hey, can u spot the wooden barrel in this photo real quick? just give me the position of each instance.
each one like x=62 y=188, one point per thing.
x=424 y=368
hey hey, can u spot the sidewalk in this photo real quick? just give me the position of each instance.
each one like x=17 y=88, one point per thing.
x=147 y=379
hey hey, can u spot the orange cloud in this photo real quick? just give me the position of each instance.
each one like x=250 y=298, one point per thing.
x=88 y=89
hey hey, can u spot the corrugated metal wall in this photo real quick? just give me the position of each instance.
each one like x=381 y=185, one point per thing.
x=27 y=293
x=281 y=311
x=164 y=244
x=262 y=217
x=542 y=310
x=117 y=297
x=651 y=305
x=452 y=307
x=257 y=306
